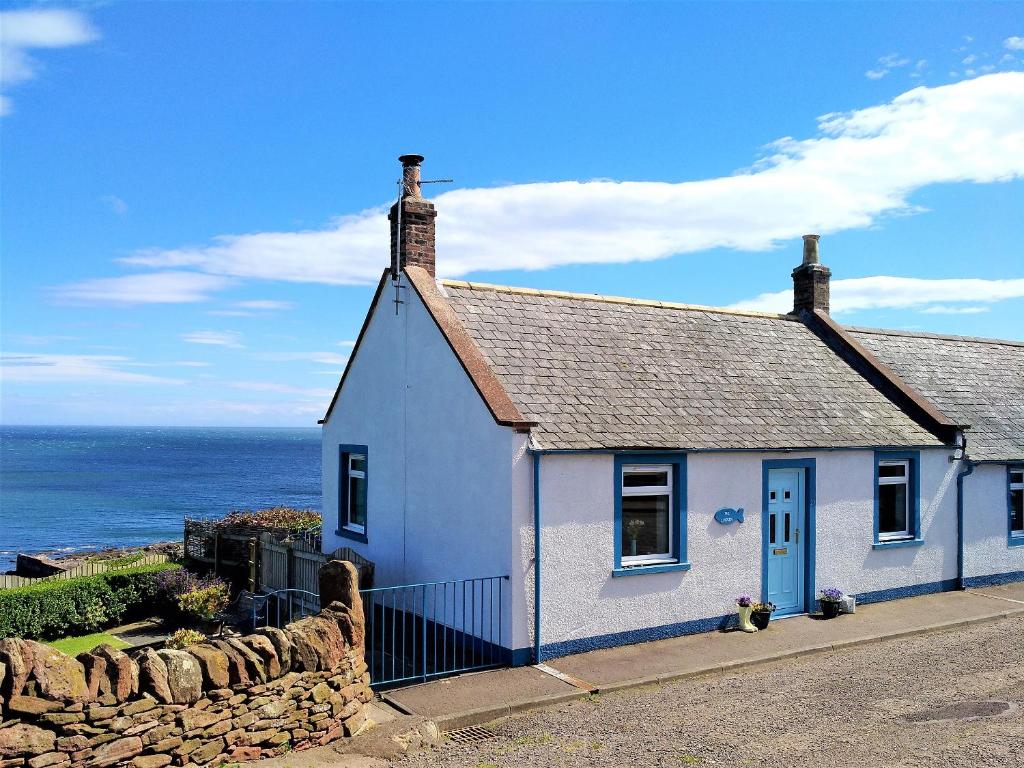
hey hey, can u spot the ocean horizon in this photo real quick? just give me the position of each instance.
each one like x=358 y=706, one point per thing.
x=83 y=488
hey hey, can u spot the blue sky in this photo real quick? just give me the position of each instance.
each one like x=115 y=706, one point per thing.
x=192 y=193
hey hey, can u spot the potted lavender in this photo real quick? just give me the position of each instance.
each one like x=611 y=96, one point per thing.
x=744 y=605
x=831 y=600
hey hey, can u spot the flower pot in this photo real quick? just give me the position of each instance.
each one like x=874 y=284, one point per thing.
x=830 y=609
x=744 y=614
x=760 y=619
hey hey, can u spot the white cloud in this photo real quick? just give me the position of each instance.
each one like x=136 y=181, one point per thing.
x=324 y=358
x=214 y=338
x=283 y=389
x=265 y=304
x=885 y=65
x=24 y=30
x=876 y=74
x=193 y=364
x=945 y=309
x=34 y=367
x=116 y=204
x=1014 y=43
x=970 y=59
x=860 y=166
x=149 y=288
x=884 y=292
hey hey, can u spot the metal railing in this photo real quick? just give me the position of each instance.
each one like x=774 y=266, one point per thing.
x=283 y=606
x=416 y=632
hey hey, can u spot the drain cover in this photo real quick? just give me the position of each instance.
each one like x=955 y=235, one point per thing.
x=962 y=710
x=472 y=734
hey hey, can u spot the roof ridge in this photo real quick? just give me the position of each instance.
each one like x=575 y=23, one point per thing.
x=612 y=299
x=927 y=335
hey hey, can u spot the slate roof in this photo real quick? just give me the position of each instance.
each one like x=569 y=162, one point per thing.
x=599 y=372
x=976 y=381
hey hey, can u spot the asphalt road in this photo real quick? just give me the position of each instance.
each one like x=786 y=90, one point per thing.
x=946 y=699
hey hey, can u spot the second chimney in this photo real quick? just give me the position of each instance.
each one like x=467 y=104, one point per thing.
x=412 y=222
x=811 y=280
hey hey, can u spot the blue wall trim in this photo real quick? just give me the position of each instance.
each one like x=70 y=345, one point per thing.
x=810 y=547
x=696 y=626
x=913 y=491
x=913 y=590
x=343 y=449
x=678 y=461
x=994 y=579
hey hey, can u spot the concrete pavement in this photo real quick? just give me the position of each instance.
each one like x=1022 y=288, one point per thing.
x=485 y=696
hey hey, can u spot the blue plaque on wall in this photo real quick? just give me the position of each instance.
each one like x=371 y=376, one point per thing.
x=728 y=516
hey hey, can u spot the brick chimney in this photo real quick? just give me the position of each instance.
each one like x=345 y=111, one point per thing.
x=412 y=226
x=810 y=280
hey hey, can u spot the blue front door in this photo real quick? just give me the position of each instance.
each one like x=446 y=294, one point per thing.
x=784 y=554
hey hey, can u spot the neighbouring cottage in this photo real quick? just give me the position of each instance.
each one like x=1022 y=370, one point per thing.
x=228 y=700
x=633 y=465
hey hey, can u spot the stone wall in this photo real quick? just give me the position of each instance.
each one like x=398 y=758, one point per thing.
x=223 y=701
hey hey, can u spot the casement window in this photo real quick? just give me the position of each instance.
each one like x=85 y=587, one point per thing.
x=650 y=531
x=352 y=482
x=897 y=511
x=1015 y=493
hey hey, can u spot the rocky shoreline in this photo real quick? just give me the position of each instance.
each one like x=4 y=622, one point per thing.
x=50 y=562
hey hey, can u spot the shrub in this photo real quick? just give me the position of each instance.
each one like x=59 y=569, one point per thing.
x=63 y=607
x=205 y=603
x=273 y=518
x=171 y=586
x=183 y=638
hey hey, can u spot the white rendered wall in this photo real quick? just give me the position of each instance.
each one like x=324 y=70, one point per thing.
x=580 y=598
x=440 y=481
x=986 y=524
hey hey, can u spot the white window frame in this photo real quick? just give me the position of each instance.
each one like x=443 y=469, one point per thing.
x=907 y=532
x=1015 y=532
x=349 y=474
x=657 y=558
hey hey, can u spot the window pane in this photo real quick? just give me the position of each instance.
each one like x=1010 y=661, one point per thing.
x=1017 y=505
x=1017 y=476
x=771 y=526
x=645 y=525
x=357 y=462
x=357 y=500
x=892 y=508
x=892 y=470
x=644 y=479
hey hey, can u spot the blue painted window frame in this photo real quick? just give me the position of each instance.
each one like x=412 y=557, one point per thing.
x=913 y=459
x=810 y=525
x=343 y=451
x=679 y=516
x=1013 y=538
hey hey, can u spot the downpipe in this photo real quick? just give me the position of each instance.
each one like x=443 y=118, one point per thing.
x=536 y=557
x=965 y=472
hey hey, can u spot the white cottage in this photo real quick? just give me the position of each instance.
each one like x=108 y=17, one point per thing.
x=628 y=467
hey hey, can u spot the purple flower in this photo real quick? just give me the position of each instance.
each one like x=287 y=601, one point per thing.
x=744 y=601
x=832 y=595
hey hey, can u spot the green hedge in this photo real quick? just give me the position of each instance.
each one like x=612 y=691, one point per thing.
x=65 y=607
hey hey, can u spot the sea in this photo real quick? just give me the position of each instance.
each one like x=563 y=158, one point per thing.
x=65 y=489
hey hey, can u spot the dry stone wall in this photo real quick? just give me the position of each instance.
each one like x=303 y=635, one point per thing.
x=224 y=701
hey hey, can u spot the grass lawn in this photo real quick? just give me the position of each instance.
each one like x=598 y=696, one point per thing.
x=73 y=646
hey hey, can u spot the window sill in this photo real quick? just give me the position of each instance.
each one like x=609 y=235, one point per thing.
x=896 y=543
x=354 y=535
x=1016 y=540
x=642 y=570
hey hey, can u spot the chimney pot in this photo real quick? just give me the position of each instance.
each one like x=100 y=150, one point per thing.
x=811 y=249
x=411 y=175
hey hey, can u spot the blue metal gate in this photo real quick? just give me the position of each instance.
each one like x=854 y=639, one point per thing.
x=416 y=632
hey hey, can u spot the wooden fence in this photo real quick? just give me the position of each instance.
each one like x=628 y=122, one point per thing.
x=86 y=569
x=261 y=561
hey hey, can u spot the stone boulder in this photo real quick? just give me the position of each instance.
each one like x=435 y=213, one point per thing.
x=319 y=642
x=114 y=752
x=214 y=665
x=253 y=663
x=16 y=654
x=24 y=739
x=57 y=675
x=282 y=645
x=32 y=705
x=236 y=663
x=122 y=674
x=153 y=676
x=349 y=622
x=264 y=648
x=339 y=581
x=184 y=676
x=95 y=672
